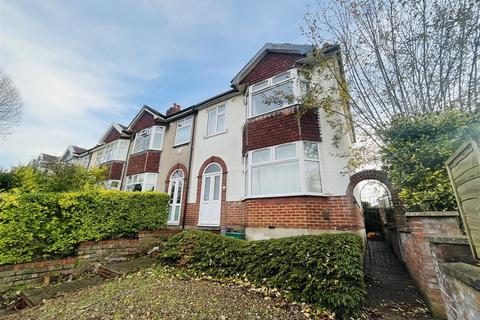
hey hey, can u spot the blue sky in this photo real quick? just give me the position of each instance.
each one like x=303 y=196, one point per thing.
x=82 y=64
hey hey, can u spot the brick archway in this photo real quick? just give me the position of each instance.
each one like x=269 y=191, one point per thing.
x=172 y=169
x=382 y=177
x=399 y=219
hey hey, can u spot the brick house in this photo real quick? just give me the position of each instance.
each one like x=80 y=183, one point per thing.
x=238 y=161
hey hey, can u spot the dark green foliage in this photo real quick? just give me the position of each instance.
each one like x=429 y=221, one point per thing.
x=6 y=180
x=325 y=270
x=45 y=225
x=415 y=152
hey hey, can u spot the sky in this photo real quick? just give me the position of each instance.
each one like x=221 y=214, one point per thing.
x=81 y=65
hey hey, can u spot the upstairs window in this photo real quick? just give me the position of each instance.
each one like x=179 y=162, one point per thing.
x=184 y=129
x=149 y=139
x=116 y=150
x=272 y=94
x=216 y=120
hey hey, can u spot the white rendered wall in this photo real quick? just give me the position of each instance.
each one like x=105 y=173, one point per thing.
x=227 y=146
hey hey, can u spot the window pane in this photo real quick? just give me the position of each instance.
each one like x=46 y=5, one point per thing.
x=177 y=174
x=221 y=110
x=183 y=135
x=179 y=194
x=206 y=189
x=177 y=213
x=286 y=151
x=213 y=168
x=212 y=118
x=310 y=150
x=271 y=99
x=141 y=142
x=216 y=188
x=281 y=77
x=312 y=174
x=221 y=123
x=276 y=179
x=260 y=85
x=157 y=139
x=261 y=156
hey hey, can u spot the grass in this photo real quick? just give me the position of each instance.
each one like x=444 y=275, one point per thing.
x=162 y=292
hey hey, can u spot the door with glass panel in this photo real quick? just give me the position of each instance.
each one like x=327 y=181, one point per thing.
x=175 y=190
x=210 y=202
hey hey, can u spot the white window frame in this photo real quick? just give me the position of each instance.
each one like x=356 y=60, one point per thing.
x=173 y=181
x=270 y=85
x=300 y=157
x=185 y=125
x=153 y=130
x=130 y=180
x=216 y=120
x=107 y=184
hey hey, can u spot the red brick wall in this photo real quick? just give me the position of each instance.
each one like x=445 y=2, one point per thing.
x=115 y=170
x=146 y=120
x=270 y=65
x=302 y=212
x=146 y=161
x=112 y=136
x=417 y=254
x=280 y=127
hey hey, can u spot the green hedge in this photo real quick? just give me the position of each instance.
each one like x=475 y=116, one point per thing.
x=325 y=270
x=46 y=225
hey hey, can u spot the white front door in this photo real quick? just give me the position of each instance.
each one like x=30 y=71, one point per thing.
x=175 y=190
x=211 y=197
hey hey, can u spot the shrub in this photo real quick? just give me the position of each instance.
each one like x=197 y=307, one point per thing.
x=47 y=225
x=325 y=270
x=56 y=177
x=415 y=153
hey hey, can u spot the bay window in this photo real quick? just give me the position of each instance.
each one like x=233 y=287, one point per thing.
x=286 y=169
x=184 y=128
x=273 y=93
x=116 y=150
x=216 y=120
x=141 y=182
x=149 y=139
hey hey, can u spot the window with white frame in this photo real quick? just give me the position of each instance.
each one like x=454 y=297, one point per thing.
x=149 y=139
x=111 y=184
x=116 y=150
x=216 y=120
x=286 y=169
x=99 y=158
x=141 y=182
x=273 y=93
x=184 y=130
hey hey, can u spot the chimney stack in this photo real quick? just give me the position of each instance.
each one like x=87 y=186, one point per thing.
x=174 y=108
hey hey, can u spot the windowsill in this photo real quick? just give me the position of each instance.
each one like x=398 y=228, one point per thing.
x=294 y=194
x=215 y=134
x=272 y=111
x=181 y=144
x=138 y=152
x=173 y=223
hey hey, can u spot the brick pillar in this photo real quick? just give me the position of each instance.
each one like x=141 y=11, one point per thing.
x=418 y=256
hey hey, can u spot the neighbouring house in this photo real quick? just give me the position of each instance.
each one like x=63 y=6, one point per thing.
x=73 y=155
x=237 y=161
x=43 y=161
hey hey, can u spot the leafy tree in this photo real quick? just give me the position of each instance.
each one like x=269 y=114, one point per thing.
x=57 y=177
x=6 y=180
x=415 y=153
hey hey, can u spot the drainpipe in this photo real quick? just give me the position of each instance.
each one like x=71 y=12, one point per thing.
x=192 y=147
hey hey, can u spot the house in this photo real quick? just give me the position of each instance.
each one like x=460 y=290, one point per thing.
x=72 y=155
x=241 y=161
x=43 y=161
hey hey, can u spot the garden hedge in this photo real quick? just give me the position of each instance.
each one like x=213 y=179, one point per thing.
x=51 y=225
x=325 y=270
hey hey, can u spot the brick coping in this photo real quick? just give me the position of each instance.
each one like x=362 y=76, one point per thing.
x=432 y=214
x=460 y=240
x=467 y=273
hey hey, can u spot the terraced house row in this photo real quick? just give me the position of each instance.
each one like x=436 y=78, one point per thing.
x=240 y=159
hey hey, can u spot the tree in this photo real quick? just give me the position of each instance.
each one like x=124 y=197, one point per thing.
x=401 y=57
x=11 y=104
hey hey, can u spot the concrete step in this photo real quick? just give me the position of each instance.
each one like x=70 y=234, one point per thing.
x=119 y=269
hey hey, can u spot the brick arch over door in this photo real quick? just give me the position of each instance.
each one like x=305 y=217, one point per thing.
x=205 y=164
x=178 y=166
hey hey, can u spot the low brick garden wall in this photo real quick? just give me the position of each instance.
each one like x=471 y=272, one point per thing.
x=89 y=253
x=439 y=260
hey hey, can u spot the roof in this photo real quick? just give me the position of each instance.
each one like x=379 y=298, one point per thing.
x=270 y=47
x=78 y=150
x=48 y=157
x=115 y=125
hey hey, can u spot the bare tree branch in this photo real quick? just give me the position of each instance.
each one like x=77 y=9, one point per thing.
x=11 y=104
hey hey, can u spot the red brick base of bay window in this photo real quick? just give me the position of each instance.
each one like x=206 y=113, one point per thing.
x=300 y=212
